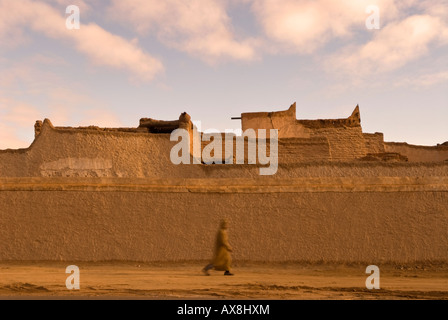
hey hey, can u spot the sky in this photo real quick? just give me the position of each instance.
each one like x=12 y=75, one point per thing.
x=215 y=59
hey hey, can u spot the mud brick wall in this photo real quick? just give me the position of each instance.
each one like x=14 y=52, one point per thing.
x=92 y=195
x=295 y=150
x=290 y=150
x=346 y=143
x=71 y=153
x=374 y=142
x=419 y=153
x=371 y=220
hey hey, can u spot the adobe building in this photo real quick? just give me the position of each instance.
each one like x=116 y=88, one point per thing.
x=337 y=139
x=339 y=195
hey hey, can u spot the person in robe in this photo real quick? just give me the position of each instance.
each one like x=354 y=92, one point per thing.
x=221 y=260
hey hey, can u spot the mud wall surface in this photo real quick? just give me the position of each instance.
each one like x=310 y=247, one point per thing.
x=418 y=153
x=71 y=153
x=93 y=196
x=346 y=143
x=374 y=142
x=371 y=219
x=287 y=126
x=91 y=153
x=289 y=150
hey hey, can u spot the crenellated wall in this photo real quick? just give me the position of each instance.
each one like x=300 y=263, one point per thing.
x=345 y=137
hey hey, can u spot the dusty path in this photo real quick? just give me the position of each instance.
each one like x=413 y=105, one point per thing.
x=251 y=281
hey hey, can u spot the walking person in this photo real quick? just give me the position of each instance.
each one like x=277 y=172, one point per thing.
x=221 y=259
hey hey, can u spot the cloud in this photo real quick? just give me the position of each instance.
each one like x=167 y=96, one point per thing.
x=102 y=47
x=107 y=49
x=200 y=28
x=100 y=117
x=16 y=123
x=19 y=113
x=437 y=8
x=29 y=91
x=299 y=26
x=62 y=4
x=17 y=117
x=410 y=29
x=425 y=80
x=393 y=46
x=9 y=139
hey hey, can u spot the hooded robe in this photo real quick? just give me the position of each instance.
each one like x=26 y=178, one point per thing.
x=222 y=259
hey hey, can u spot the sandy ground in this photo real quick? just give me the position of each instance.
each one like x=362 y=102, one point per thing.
x=251 y=281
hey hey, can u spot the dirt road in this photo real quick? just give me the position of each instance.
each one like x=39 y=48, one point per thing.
x=251 y=281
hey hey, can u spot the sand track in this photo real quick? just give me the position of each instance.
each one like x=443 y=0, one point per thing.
x=44 y=280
